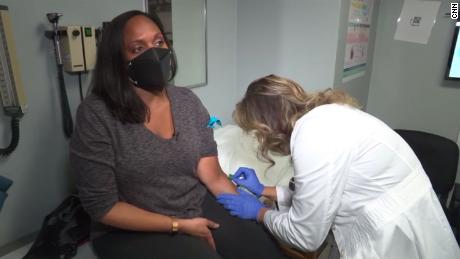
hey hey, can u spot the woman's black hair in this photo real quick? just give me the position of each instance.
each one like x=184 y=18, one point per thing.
x=110 y=78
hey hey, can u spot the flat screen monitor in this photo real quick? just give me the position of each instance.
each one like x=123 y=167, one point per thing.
x=453 y=66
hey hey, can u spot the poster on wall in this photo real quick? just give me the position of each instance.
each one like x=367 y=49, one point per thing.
x=357 y=39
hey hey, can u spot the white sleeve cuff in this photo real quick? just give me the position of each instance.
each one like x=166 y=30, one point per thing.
x=284 y=197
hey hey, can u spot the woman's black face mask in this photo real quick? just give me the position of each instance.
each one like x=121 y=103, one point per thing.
x=151 y=70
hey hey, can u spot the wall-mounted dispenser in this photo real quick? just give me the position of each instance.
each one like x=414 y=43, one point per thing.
x=75 y=50
x=78 y=47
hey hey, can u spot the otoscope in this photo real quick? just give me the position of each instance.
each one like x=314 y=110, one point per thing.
x=54 y=19
x=66 y=115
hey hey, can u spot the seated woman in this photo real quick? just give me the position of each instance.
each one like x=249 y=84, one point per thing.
x=144 y=159
x=352 y=174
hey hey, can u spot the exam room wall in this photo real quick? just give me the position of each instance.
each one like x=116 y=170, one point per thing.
x=220 y=94
x=407 y=87
x=296 y=39
x=39 y=166
x=358 y=87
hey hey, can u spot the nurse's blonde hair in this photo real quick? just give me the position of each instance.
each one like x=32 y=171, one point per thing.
x=271 y=107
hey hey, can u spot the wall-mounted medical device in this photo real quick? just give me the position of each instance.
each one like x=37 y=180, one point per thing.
x=78 y=47
x=13 y=98
x=75 y=50
x=11 y=90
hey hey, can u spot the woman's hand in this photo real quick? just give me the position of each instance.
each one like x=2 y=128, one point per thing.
x=247 y=178
x=199 y=227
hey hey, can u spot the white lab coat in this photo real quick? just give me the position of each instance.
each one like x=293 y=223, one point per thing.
x=356 y=176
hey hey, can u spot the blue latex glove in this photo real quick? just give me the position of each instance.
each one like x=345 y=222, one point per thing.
x=247 y=178
x=243 y=205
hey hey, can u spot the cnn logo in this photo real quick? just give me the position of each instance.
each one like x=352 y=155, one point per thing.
x=454 y=10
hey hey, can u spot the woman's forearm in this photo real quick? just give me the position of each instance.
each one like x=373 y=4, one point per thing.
x=270 y=192
x=221 y=184
x=126 y=216
x=212 y=175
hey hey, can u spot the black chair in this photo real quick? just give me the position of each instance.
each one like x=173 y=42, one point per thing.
x=439 y=157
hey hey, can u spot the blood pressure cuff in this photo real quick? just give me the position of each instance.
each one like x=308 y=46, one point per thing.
x=5 y=184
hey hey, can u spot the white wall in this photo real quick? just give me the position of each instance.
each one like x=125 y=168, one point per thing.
x=39 y=166
x=219 y=96
x=407 y=87
x=294 y=38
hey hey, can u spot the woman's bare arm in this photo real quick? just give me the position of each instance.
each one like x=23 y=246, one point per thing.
x=211 y=174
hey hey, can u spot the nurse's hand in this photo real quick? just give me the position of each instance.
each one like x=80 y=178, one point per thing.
x=243 y=205
x=247 y=178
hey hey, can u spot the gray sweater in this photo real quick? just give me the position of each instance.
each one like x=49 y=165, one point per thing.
x=114 y=162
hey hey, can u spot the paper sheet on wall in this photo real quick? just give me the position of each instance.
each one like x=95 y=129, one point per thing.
x=360 y=12
x=355 y=52
x=357 y=40
x=416 y=21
